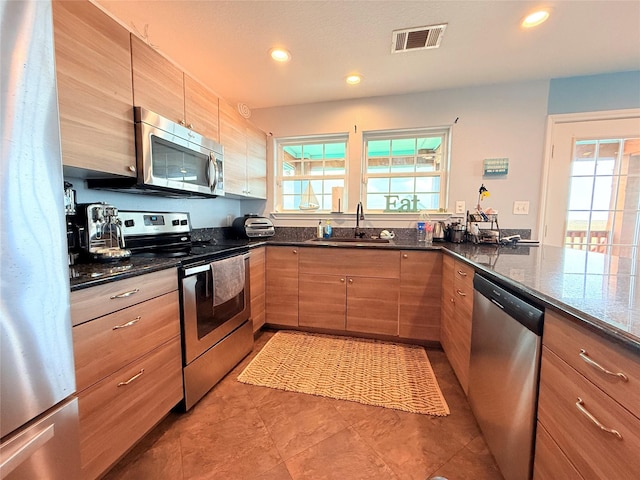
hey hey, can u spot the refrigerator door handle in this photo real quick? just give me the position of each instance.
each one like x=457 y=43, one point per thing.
x=18 y=451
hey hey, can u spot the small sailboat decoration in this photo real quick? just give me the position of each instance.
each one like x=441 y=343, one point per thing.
x=309 y=201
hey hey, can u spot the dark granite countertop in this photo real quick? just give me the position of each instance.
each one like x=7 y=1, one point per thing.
x=600 y=290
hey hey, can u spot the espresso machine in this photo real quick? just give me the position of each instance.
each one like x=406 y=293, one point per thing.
x=99 y=233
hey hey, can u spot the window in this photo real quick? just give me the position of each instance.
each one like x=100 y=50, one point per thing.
x=604 y=196
x=307 y=170
x=405 y=171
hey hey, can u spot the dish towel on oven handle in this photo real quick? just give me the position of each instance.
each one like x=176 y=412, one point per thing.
x=228 y=278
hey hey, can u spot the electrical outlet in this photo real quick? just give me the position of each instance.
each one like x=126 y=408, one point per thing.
x=460 y=206
x=521 y=207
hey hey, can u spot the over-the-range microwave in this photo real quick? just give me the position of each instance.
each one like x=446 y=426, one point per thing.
x=171 y=159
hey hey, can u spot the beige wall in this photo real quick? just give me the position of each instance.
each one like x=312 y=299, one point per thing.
x=495 y=121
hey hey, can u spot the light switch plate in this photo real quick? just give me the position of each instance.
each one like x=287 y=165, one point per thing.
x=460 y=206
x=521 y=207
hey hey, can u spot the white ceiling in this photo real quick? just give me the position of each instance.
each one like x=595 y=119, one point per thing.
x=225 y=44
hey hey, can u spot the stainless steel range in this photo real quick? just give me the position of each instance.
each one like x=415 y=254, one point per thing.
x=217 y=331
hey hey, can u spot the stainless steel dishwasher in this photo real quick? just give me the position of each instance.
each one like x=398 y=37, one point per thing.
x=504 y=370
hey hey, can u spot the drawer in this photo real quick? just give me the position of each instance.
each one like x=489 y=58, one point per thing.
x=594 y=452
x=108 y=343
x=113 y=416
x=350 y=261
x=550 y=463
x=568 y=339
x=463 y=275
x=103 y=299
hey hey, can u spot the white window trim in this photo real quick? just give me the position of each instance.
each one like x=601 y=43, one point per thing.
x=278 y=212
x=443 y=174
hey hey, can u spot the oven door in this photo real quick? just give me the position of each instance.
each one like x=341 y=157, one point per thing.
x=204 y=324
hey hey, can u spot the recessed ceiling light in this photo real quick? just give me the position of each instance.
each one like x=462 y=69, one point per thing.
x=534 y=19
x=280 y=54
x=354 y=79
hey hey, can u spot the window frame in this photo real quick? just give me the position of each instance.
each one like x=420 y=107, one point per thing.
x=445 y=132
x=281 y=142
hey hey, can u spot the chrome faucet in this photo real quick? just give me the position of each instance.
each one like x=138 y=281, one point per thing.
x=359 y=216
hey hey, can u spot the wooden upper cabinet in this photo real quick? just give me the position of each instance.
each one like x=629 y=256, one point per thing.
x=245 y=154
x=93 y=65
x=256 y=162
x=158 y=84
x=201 y=109
x=163 y=88
x=233 y=138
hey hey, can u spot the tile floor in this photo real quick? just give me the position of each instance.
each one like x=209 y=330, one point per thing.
x=242 y=431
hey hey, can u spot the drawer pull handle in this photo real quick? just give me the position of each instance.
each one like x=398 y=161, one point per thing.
x=461 y=273
x=585 y=356
x=125 y=294
x=461 y=293
x=580 y=406
x=128 y=324
x=137 y=375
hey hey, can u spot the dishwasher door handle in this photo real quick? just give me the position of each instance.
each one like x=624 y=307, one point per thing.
x=495 y=302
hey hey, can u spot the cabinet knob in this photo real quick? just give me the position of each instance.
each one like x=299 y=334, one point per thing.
x=461 y=273
x=461 y=293
x=295 y=252
x=190 y=126
x=405 y=256
x=131 y=168
x=182 y=122
x=342 y=280
x=351 y=280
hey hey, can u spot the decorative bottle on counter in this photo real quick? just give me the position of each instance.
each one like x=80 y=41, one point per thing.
x=328 y=231
x=320 y=231
x=422 y=234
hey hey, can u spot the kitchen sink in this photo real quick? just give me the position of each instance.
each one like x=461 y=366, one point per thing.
x=352 y=240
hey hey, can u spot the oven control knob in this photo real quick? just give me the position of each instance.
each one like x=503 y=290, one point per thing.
x=175 y=223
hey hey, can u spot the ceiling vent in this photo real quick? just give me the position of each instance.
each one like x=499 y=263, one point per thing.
x=417 y=38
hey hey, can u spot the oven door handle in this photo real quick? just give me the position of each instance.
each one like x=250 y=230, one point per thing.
x=194 y=270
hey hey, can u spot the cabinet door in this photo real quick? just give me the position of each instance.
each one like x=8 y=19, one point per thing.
x=457 y=308
x=256 y=162
x=372 y=305
x=201 y=109
x=93 y=66
x=158 y=84
x=257 y=287
x=322 y=301
x=233 y=138
x=118 y=411
x=282 y=286
x=420 y=295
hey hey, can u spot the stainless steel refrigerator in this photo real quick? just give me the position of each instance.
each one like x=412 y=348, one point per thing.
x=39 y=414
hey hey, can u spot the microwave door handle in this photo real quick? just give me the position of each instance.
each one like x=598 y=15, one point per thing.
x=213 y=179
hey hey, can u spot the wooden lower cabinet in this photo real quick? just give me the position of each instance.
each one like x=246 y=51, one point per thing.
x=457 y=311
x=589 y=414
x=420 y=295
x=372 y=305
x=331 y=312
x=128 y=361
x=117 y=411
x=257 y=286
x=349 y=290
x=550 y=462
x=282 y=286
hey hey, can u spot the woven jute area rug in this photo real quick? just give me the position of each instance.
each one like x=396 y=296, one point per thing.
x=371 y=372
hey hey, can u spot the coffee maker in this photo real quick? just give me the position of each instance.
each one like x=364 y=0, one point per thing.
x=99 y=233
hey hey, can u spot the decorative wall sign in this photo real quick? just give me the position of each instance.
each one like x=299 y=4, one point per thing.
x=496 y=166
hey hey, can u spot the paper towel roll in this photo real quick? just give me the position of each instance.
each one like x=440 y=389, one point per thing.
x=336 y=199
